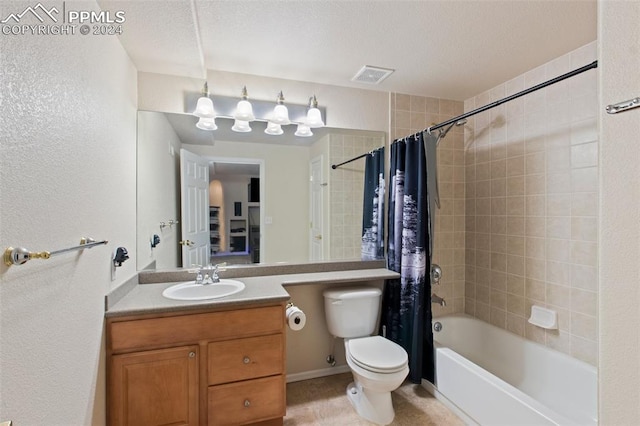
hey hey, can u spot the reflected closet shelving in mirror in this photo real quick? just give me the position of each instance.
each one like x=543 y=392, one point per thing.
x=214 y=229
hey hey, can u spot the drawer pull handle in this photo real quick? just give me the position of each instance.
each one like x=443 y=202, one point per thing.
x=246 y=360
x=247 y=403
x=192 y=354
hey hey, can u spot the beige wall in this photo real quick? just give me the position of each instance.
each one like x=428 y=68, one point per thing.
x=411 y=114
x=619 y=237
x=67 y=170
x=158 y=191
x=531 y=193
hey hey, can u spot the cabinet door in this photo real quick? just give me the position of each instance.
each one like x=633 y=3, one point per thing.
x=155 y=388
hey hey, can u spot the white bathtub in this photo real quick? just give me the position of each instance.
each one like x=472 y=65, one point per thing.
x=498 y=378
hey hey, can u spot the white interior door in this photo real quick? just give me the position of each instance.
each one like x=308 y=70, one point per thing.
x=194 y=190
x=316 y=226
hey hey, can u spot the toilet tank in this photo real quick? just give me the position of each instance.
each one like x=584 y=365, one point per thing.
x=352 y=311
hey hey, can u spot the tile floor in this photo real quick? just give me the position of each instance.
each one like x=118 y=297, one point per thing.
x=323 y=402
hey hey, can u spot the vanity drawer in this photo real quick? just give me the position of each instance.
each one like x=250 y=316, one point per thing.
x=247 y=402
x=186 y=329
x=243 y=359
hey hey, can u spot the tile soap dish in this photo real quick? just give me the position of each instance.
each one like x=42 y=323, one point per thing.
x=543 y=317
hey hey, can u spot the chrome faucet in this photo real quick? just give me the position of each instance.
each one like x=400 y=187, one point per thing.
x=209 y=274
x=439 y=300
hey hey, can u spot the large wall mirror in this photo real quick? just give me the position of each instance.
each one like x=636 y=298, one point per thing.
x=264 y=199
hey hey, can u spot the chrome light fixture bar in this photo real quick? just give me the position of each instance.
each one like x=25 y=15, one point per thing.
x=258 y=110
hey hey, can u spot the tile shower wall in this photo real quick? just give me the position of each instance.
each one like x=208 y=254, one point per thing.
x=346 y=197
x=531 y=206
x=411 y=114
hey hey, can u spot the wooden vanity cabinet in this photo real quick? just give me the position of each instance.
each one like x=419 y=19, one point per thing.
x=207 y=368
x=157 y=387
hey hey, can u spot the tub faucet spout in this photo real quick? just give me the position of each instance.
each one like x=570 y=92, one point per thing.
x=439 y=300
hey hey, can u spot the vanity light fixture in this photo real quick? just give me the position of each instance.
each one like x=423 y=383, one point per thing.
x=273 y=129
x=314 y=118
x=244 y=110
x=207 y=124
x=305 y=116
x=303 y=131
x=204 y=107
x=241 y=126
x=280 y=112
x=204 y=110
x=243 y=114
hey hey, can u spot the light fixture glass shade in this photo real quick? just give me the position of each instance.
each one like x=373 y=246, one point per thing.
x=204 y=108
x=244 y=111
x=303 y=131
x=241 y=126
x=206 y=124
x=314 y=118
x=280 y=115
x=273 y=129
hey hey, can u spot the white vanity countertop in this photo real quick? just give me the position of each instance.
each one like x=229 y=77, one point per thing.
x=147 y=298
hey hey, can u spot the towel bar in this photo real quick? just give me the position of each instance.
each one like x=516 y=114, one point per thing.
x=20 y=255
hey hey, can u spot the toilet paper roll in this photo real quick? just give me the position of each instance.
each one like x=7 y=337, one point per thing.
x=296 y=319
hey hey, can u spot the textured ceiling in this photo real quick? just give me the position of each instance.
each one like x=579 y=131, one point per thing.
x=452 y=49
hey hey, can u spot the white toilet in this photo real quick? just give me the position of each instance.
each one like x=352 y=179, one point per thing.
x=379 y=366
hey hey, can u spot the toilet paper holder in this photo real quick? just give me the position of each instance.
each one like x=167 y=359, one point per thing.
x=296 y=319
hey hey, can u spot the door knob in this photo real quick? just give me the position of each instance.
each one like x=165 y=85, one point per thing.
x=318 y=237
x=186 y=243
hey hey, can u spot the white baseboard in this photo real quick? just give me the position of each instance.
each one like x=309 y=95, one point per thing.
x=323 y=372
x=430 y=387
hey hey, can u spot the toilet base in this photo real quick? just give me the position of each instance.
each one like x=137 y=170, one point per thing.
x=373 y=406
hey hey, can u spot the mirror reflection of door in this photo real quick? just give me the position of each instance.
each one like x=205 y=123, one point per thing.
x=194 y=189
x=316 y=209
x=235 y=211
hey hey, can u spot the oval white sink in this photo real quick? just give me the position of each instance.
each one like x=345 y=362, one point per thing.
x=192 y=291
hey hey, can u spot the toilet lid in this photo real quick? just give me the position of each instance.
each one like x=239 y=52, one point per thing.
x=377 y=354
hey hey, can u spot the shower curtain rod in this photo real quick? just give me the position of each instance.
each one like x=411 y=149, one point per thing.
x=453 y=120
x=575 y=72
x=335 y=166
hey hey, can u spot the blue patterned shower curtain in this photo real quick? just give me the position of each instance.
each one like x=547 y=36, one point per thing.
x=406 y=308
x=373 y=207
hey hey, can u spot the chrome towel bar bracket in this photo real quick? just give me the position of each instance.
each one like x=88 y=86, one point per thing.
x=623 y=106
x=20 y=255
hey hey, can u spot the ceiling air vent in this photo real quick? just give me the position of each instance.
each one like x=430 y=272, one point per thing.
x=372 y=75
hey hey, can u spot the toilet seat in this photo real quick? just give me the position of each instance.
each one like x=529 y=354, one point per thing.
x=377 y=354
